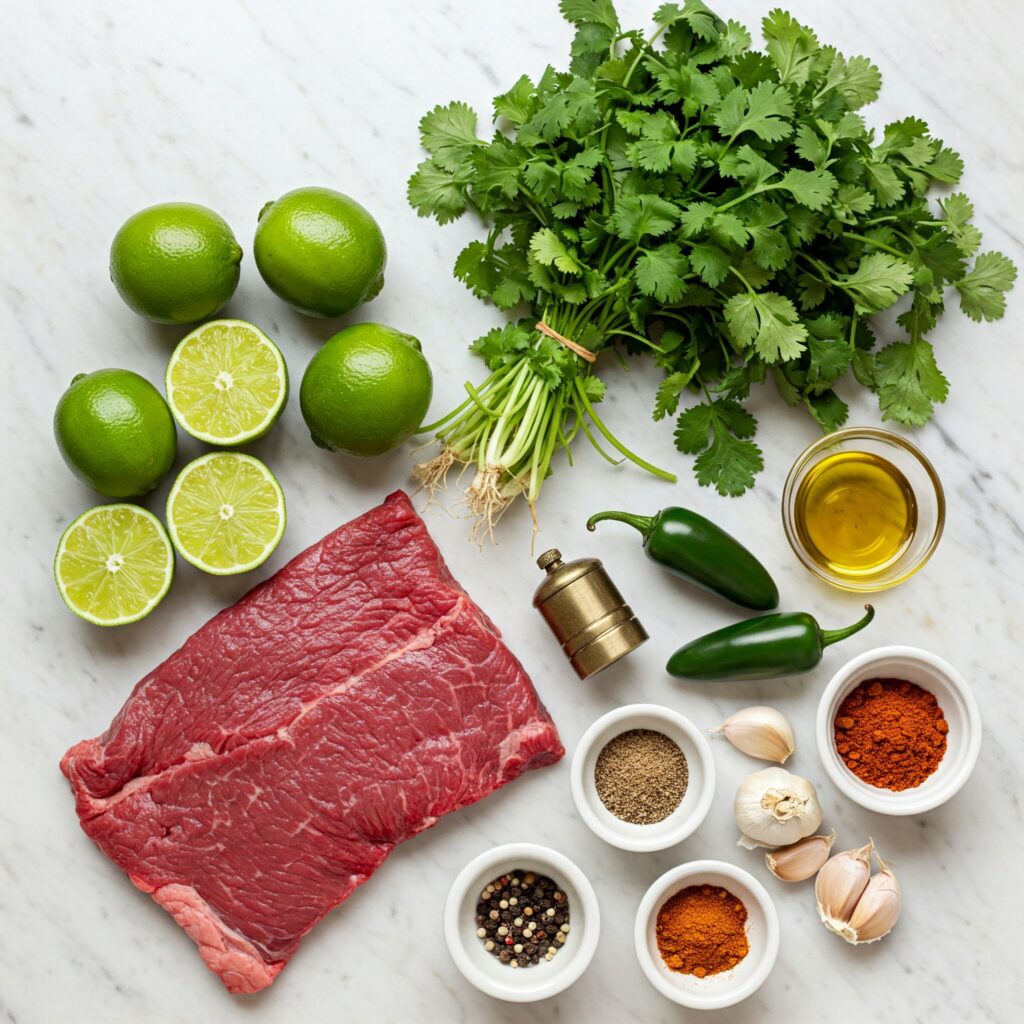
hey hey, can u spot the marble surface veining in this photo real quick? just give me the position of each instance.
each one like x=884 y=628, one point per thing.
x=107 y=108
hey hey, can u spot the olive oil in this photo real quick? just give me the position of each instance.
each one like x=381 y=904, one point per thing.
x=855 y=513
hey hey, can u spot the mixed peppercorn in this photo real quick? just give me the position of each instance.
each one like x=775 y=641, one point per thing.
x=522 y=917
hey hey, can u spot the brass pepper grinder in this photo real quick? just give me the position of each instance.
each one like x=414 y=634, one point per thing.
x=586 y=613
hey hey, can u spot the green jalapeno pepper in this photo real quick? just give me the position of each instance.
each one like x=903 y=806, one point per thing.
x=691 y=546
x=768 y=645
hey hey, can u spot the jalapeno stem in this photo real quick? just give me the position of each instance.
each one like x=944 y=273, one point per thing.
x=831 y=636
x=645 y=524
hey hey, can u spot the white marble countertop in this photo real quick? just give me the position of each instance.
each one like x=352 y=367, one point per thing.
x=107 y=109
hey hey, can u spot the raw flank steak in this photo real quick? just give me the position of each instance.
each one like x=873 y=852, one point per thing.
x=270 y=765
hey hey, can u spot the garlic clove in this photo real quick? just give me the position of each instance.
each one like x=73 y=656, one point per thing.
x=878 y=908
x=800 y=860
x=839 y=885
x=760 y=732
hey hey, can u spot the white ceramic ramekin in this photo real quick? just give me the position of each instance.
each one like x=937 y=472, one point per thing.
x=716 y=990
x=483 y=969
x=700 y=789
x=963 y=741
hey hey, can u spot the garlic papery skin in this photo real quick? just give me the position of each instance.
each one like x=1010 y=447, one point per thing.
x=801 y=860
x=877 y=910
x=773 y=807
x=760 y=732
x=840 y=884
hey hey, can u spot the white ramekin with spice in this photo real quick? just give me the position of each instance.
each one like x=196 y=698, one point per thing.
x=521 y=922
x=706 y=934
x=899 y=730
x=643 y=777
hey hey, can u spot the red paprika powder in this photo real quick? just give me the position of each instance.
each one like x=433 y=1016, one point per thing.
x=701 y=930
x=891 y=733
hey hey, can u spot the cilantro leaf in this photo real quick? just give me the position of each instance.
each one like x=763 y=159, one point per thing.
x=947 y=166
x=547 y=248
x=809 y=144
x=958 y=213
x=577 y=174
x=694 y=13
x=590 y=48
x=878 y=281
x=434 y=192
x=748 y=166
x=829 y=360
x=667 y=399
x=983 y=290
x=659 y=272
x=476 y=267
x=828 y=409
x=449 y=134
x=638 y=216
x=661 y=148
x=574 y=108
x=856 y=79
x=909 y=382
x=771 y=250
x=590 y=12
x=883 y=182
x=720 y=432
x=695 y=217
x=763 y=110
x=791 y=46
x=497 y=167
x=769 y=322
x=812 y=189
x=518 y=104
x=727 y=228
x=711 y=263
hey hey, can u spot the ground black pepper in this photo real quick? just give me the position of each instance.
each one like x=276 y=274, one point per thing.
x=522 y=918
x=641 y=776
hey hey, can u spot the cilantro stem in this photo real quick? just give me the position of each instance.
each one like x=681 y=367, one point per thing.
x=637 y=337
x=614 y=441
x=875 y=243
x=582 y=419
x=646 y=45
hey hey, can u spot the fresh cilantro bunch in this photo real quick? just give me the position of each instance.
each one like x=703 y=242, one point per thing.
x=726 y=211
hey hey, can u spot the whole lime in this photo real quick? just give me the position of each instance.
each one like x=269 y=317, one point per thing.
x=366 y=391
x=175 y=263
x=320 y=251
x=115 y=432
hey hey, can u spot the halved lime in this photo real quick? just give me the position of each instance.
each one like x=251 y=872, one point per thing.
x=226 y=513
x=114 y=564
x=226 y=383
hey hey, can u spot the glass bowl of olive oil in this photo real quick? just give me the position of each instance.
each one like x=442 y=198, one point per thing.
x=863 y=509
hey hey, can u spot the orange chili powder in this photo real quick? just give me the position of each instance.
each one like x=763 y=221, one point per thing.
x=701 y=931
x=891 y=733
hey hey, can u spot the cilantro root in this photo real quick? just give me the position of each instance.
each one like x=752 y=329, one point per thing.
x=725 y=211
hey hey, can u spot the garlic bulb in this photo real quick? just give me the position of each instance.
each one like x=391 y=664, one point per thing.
x=800 y=860
x=852 y=902
x=760 y=732
x=775 y=808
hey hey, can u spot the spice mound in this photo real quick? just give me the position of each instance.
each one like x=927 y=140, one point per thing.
x=641 y=776
x=701 y=930
x=522 y=918
x=891 y=733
